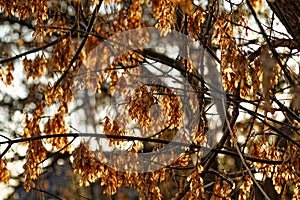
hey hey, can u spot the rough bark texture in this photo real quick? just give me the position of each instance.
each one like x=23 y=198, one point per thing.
x=288 y=12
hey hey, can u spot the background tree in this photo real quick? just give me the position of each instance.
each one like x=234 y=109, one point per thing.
x=49 y=50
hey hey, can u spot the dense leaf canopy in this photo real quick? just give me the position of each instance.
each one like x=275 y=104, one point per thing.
x=150 y=99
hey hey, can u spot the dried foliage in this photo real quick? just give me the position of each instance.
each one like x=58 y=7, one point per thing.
x=53 y=50
x=4 y=171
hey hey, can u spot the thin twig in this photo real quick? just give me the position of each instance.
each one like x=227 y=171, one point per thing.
x=241 y=156
x=132 y=138
x=35 y=49
x=75 y=57
x=274 y=52
x=46 y=192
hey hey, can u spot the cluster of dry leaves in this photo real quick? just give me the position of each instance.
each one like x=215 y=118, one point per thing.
x=249 y=79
